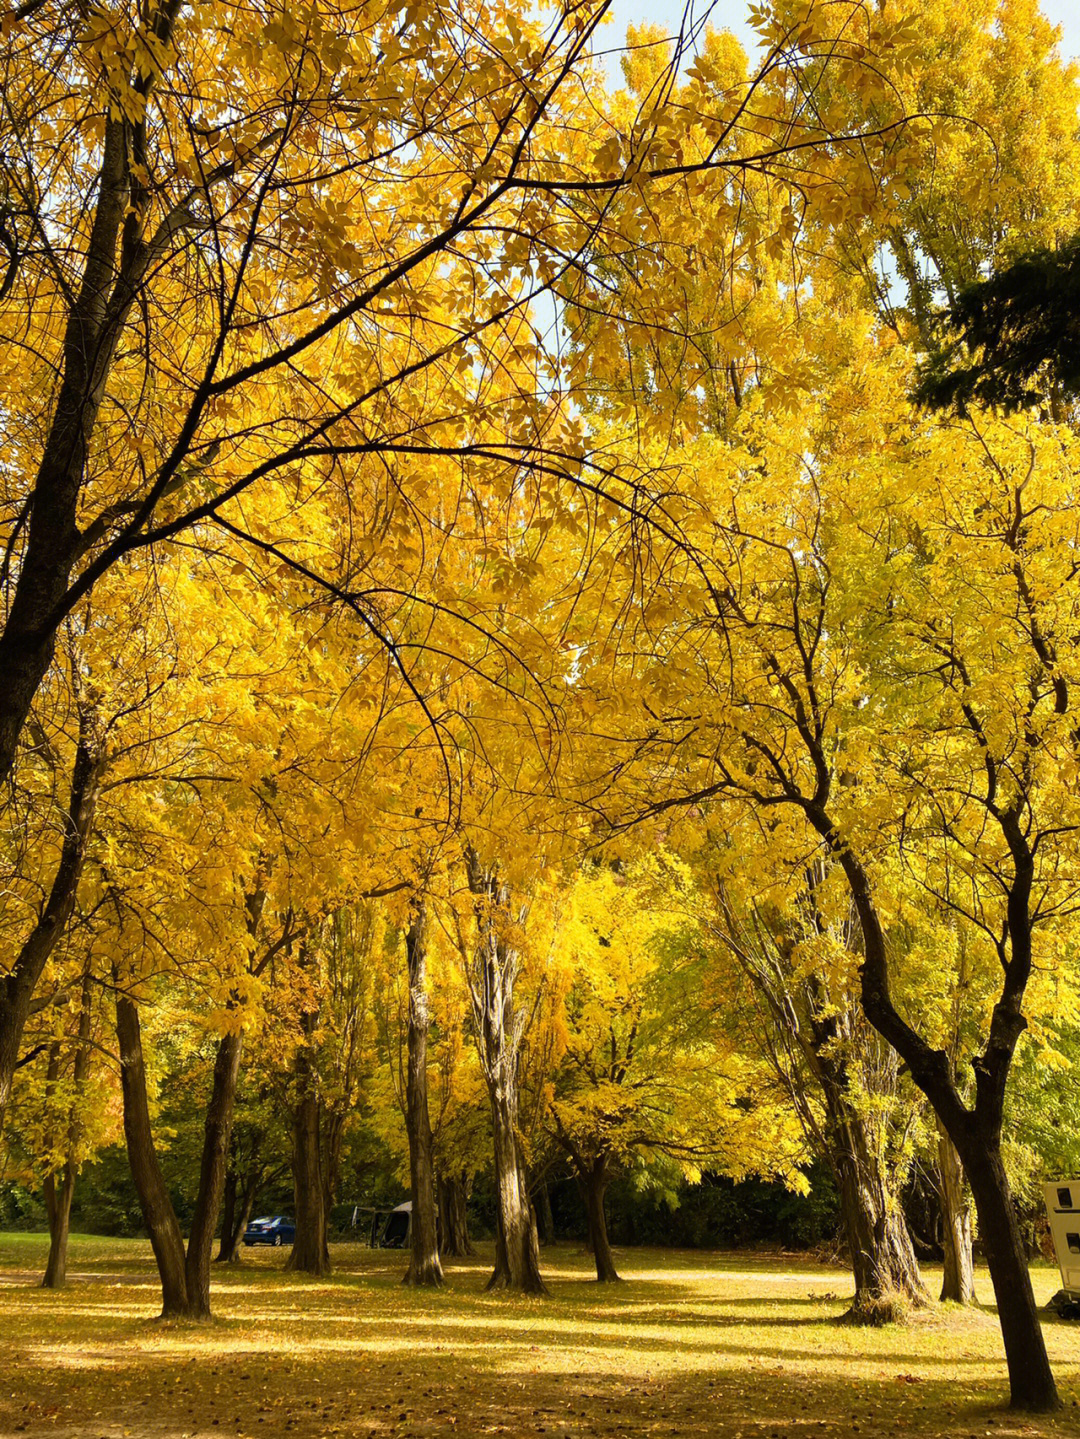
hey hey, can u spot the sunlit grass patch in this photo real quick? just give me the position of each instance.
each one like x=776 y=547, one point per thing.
x=691 y=1344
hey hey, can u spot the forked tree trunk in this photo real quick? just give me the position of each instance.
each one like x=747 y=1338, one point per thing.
x=883 y=1258
x=958 y=1284
x=185 y=1275
x=58 y=1199
x=594 y=1181
x=229 y=1252
x=454 y=1217
x=424 y=1266
x=975 y=1131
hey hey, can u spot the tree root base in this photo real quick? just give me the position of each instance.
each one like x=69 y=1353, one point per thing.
x=877 y=1311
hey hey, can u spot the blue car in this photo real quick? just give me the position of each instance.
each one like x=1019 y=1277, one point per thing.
x=276 y=1231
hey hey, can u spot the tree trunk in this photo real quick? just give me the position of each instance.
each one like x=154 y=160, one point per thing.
x=517 y=1250
x=595 y=1186
x=498 y=1035
x=882 y=1256
x=116 y=260
x=18 y=985
x=241 y=1222
x=216 y=1135
x=58 y=1202
x=331 y=1137
x=310 y=1251
x=975 y=1132
x=588 y=1244
x=454 y=1217
x=1030 y=1377
x=58 y=1205
x=424 y=1267
x=958 y=1284
x=228 y=1218
x=157 y=1210
x=185 y=1276
x=544 y=1217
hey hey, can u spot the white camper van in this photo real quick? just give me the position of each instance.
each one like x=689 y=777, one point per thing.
x=1063 y=1211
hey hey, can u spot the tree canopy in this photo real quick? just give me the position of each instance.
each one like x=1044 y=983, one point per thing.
x=522 y=654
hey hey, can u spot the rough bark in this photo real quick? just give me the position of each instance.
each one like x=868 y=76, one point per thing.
x=498 y=1033
x=958 y=1284
x=424 y=1266
x=517 y=1249
x=454 y=1216
x=882 y=1255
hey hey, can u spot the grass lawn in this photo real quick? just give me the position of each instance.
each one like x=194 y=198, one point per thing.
x=723 y=1345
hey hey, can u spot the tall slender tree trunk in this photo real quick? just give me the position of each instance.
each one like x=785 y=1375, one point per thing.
x=228 y=1217
x=594 y=1183
x=331 y=1137
x=217 y=1132
x=424 y=1266
x=58 y=1199
x=958 y=1284
x=17 y=987
x=454 y=1217
x=310 y=1251
x=158 y=1214
x=545 y=1219
x=498 y=1036
x=824 y=1044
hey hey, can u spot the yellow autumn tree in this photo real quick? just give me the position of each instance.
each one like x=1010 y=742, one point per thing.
x=646 y=1072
